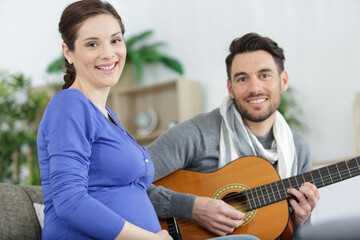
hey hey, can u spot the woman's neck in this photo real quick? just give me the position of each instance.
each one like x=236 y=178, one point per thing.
x=96 y=95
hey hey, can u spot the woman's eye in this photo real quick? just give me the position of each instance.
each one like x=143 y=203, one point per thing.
x=116 y=41
x=92 y=45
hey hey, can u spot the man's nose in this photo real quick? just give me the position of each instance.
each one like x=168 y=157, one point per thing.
x=254 y=85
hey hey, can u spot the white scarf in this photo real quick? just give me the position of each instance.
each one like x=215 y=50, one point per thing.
x=236 y=141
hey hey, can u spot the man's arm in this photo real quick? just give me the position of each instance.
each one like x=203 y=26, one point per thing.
x=168 y=203
x=170 y=152
x=186 y=146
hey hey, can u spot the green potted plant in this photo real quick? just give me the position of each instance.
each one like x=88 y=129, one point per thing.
x=20 y=112
x=292 y=111
x=139 y=53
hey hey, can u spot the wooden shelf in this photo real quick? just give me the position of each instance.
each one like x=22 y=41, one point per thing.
x=173 y=101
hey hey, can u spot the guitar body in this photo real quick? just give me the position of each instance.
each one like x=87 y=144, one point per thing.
x=268 y=222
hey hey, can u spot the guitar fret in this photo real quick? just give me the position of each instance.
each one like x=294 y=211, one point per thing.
x=286 y=185
x=303 y=177
x=325 y=176
x=260 y=196
x=294 y=183
x=343 y=168
x=308 y=177
x=356 y=160
x=300 y=180
x=353 y=167
x=249 y=200
x=286 y=194
x=272 y=190
x=281 y=195
x=263 y=195
x=321 y=177
x=334 y=173
x=267 y=192
x=313 y=181
x=329 y=174
x=338 y=171
x=278 y=190
x=289 y=183
x=298 y=186
x=271 y=193
x=255 y=205
x=348 y=168
x=257 y=199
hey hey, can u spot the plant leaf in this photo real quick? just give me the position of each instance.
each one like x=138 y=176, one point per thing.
x=173 y=64
x=139 y=37
x=57 y=65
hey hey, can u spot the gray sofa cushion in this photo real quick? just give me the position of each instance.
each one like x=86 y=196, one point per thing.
x=17 y=215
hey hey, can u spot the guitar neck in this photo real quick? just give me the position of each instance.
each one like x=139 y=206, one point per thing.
x=277 y=191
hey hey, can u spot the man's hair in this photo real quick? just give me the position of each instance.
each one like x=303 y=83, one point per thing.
x=253 y=42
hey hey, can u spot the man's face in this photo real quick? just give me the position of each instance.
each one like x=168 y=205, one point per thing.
x=256 y=85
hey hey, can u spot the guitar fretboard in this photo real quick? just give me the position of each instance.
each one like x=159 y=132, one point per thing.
x=277 y=191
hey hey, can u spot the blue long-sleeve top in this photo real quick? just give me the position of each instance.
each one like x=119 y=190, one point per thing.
x=94 y=175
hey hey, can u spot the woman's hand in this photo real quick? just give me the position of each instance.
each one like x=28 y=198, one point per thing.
x=130 y=231
x=164 y=235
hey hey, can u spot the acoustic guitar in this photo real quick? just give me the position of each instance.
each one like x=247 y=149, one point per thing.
x=252 y=185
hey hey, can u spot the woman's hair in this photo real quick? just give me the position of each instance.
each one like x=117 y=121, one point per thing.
x=253 y=42
x=72 y=18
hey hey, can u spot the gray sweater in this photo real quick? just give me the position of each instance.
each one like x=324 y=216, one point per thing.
x=194 y=145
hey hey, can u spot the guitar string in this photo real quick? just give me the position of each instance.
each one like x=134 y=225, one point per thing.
x=187 y=223
x=282 y=191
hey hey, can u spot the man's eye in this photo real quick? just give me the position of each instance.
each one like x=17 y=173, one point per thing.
x=265 y=75
x=241 y=79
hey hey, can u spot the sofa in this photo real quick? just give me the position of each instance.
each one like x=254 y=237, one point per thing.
x=18 y=219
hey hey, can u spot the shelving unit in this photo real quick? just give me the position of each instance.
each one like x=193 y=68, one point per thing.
x=173 y=101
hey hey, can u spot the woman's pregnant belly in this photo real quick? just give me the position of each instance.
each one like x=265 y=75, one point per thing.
x=130 y=202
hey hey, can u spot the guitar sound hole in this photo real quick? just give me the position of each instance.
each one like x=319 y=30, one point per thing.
x=237 y=200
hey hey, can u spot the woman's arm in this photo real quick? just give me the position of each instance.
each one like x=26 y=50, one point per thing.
x=130 y=231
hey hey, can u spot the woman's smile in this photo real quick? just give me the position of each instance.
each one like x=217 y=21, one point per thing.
x=107 y=68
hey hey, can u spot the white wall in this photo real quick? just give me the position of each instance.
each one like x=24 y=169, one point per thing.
x=320 y=38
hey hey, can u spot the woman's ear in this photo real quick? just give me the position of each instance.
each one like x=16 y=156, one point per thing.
x=66 y=52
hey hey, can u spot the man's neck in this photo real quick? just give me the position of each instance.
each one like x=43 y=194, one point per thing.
x=262 y=128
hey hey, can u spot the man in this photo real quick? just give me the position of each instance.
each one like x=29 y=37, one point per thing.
x=247 y=123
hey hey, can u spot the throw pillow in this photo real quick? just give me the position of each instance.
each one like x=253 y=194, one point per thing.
x=39 y=210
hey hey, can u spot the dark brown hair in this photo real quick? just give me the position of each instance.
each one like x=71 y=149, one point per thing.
x=72 y=18
x=253 y=42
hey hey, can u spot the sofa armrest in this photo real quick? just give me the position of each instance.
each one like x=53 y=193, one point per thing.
x=17 y=215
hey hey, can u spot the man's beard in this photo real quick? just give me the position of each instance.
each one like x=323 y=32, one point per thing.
x=256 y=117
